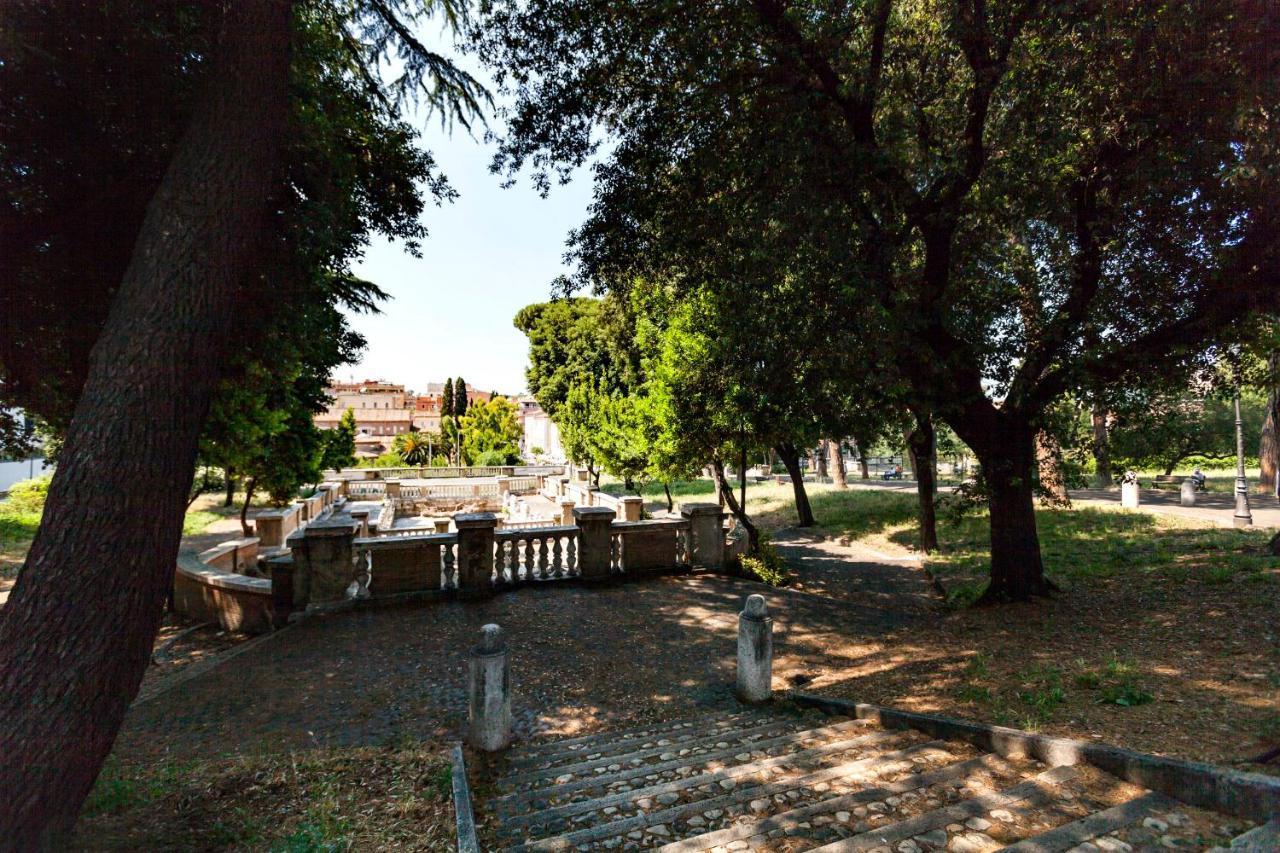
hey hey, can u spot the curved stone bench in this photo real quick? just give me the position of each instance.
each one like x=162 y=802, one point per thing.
x=206 y=588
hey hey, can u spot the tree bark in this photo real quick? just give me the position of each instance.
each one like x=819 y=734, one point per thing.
x=1053 y=476
x=820 y=460
x=922 y=443
x=737 y=510
x=1103 y=478
x=250 y=486
x=790 y=457
x=839 y=476
x=231 y=487
x=1269 y=440
x=1008 y=459
x=863 y=468
x=78 y=630
x=666 y=489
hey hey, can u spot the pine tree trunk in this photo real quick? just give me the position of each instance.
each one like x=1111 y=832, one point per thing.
x=1269 y=441
x=1017 y=572
x=863 y=468
x=78 y=629
x=231 y=487
x=1052 y=470
x=1103 y=478
x=820 y=461
x=839 y=476
x=790 y=457
x=921 y=443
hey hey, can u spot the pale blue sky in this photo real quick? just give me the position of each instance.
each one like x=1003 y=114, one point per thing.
x=489 y=253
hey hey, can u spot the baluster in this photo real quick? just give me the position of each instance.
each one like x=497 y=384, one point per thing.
x=542 y=558
x=526 y=559
x=557 y=564
x=572 y=549
x=615 y=553
x=451 y=580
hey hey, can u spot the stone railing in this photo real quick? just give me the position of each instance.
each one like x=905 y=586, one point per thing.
x=366 y=489
x=331 y=563
x=210 y=587
x=428 y=473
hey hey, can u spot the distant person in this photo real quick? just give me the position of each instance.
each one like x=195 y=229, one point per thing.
x=1197 y=477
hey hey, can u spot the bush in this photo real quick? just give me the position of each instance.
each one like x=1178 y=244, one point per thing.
x=767 y=565
x=29 y=495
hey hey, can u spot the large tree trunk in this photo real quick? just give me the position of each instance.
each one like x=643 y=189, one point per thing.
x=790 y=457
x=820 y=461
x=1103 y=477
x=1052 y=470
x=77 y=632
x=863 y=468
x=922 y=444
x=839 y=477
x=1269 y=441
x=1008 y=458
x=231 y=488
x=737 y=510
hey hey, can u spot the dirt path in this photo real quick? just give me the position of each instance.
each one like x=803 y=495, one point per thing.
x=856 y=573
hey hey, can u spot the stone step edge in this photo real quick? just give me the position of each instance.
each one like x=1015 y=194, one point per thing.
x=768 y=789
x=792 y=817
x=1039 y=786
x=1260 y=839
x=544 y=750
x=675 y=785
x=1068 y=835
x=625 y=774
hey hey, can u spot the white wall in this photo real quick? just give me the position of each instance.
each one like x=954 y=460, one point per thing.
x=12 y=472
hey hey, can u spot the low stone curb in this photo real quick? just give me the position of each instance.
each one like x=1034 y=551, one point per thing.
x=1253 y=796
x=464 y=816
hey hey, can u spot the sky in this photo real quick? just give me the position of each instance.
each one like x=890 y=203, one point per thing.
x=488 y=254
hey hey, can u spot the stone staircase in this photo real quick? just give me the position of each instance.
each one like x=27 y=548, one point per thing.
x=783 y=779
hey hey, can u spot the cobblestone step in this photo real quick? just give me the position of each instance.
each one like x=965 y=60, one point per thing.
x=727 y=778
x=1260 y=839
x=709 y=746
x=721 y=747
x=545 y=754
x=1071 y=835
x=840 y=807
x=655 y=826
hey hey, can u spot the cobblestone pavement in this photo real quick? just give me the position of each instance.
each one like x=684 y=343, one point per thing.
x=583 y=659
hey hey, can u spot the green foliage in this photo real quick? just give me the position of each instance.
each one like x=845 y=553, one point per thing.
x=196 y=521
x=492 y=430
x=1161 y=431
x=390 y=459
x=460 y=401
x=567 y=348
x=415 y=447
x=340 y=444
x=28 y=496
x=766 y=565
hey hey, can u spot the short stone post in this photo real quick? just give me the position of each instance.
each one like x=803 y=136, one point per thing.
x=489 y=692
x=706 y=534
x=1188 y=492
x=283 y=594
x=326 y=558
x=475 y=552
x=361 y=517
x=371 y=473
x=504 y=487
x=566 y=510
x=1129 y=495
x=595 y=541
x=632 y=508
x=441 y=524
x=393 y=490
x=755 y=651
x=589 y=495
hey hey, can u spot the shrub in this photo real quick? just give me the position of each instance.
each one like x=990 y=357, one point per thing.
x=767 y=565
x=29 y=495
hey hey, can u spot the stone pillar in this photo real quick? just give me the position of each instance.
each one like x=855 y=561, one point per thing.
x=504 y=487
x=327 y=559
x=706 y=534
x=361 y=518
x=442 y=525
x=283 y=593
x=583 y=475
x=475 y=552
x=595 y=541
x=589 y=495
x=632 y=508
x=393 y=489
x=489 y=693
x=1129 y=495
x=371 y=473
x=1188 y=492
x=566 y=510
x=755 y=651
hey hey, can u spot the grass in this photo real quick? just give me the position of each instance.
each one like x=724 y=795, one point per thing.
x=360 y=798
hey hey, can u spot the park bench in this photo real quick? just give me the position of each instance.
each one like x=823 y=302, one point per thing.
x=1167 y=481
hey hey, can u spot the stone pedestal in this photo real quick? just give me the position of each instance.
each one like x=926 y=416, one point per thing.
x=489 y=693
x=475 y=552
x=323 y=553
x=1129 y=495
x=283 y=592
x=393 y=490
x=566 y=510
x=632 y=508
x=706 y=534
x=755 y=651
x=361 y=517
x=595 y=540
x=441 y=525
x=504 y=487
x=1188 y=497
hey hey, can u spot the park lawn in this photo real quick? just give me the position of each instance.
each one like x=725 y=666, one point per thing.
x=395 y=796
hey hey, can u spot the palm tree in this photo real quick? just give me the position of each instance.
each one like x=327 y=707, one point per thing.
x=414 y=447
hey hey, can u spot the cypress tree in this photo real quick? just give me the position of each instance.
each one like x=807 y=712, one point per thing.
x=446 y=401
x=460 y=397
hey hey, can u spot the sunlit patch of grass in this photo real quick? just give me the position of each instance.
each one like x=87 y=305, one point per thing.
x=197 y=521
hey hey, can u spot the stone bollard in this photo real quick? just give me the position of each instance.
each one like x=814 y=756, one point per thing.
x=1129 y=495
x=755 y=651
x=1188 y=493
x=504 y=487
x=475 y=552
x=632 y=508
x=595 y=541
x=566 y=510
x=706 y=534
x=489 y=692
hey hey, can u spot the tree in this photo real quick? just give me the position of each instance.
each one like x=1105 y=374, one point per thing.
x=459 y=412
x=340 y=444
x=413 y=447
x=194 y=233
x=1130 y=218
x=568 y=346
x=492 y=433
x=1162 y=430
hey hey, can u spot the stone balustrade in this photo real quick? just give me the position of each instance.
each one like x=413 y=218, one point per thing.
x=449 y=472
x=209 y=587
